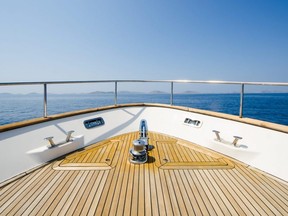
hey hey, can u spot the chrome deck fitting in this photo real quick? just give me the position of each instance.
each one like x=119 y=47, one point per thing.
x=138 y=153
x=217 y=135
x=69 y=136
x=236 y=138
x=50 y=140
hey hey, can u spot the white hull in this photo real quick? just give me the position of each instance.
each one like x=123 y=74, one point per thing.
x=263 y=145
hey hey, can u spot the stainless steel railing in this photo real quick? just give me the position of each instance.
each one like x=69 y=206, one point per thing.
x=241 y=84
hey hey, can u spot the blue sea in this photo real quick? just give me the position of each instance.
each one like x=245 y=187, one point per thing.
x=271 y=107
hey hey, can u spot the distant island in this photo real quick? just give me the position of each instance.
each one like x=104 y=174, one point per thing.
x=190 y=92
x=157 y=92
x=101 y=92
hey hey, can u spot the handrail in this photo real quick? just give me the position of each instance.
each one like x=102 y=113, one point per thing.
x=151 y=81
x=242 y=84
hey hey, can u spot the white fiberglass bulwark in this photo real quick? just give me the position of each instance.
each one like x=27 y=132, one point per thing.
x=24 y=148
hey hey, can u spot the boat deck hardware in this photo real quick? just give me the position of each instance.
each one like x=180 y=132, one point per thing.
x=95 y=122
x=192 y=122
x=138 y=153
x=143 y=129
x=236 y=138
x=143 y=133
x=69 y=136
x=217 y=135
x=50 y=140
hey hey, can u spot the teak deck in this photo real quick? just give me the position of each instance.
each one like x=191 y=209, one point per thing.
x=180 y=178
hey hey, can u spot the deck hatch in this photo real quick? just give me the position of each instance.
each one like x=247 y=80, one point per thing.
x=100 y=157
x=172 y=154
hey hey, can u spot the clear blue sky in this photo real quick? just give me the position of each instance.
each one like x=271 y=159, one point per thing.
x=233 y=40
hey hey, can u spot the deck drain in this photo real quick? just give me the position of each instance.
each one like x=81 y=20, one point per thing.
x=165 y=160
x=107 y=159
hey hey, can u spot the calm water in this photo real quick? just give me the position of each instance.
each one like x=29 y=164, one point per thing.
x=267 y=107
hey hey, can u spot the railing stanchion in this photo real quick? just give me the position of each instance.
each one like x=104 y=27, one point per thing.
x=171 y=94
x=115 y=95
x=45 y=101
x=241 y=106
x=241 y=101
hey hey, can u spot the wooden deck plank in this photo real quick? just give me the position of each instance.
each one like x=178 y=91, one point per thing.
x=98 y=194
x=261 y=190
x=194 y=156
x=44 y=185
x=269 y=184
x=252 y=198
x=93 y=198
x=47 y=196
x=154 y=208
x=116 y=196
x=158 y=154
x=193 y=205
x=12 y=185
x=264 y=204
x=197 y=192
x=187 y=153
x=166 y=154
x=82 y=158
x=145 y=189
x=109 y=187
x=79 y=194
x=68 y=198
x=96 y=154
x=175 y=149
x=201 y=190
x=16 y=195
x=54 y=205
x=218 y=195
x=102 y=154
x=88 y=194
x=231 y=199
x=135 y=194
x=11 y=194
x=171 y=152
x=159 y=208
x=212 y=205
x=237 y=192
x=123 y=192
x=167 y=198
x=88 y=157
x=180 y=194
x=172 y=194
x=27 y=193
x=113 y=147
x=129 y=192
